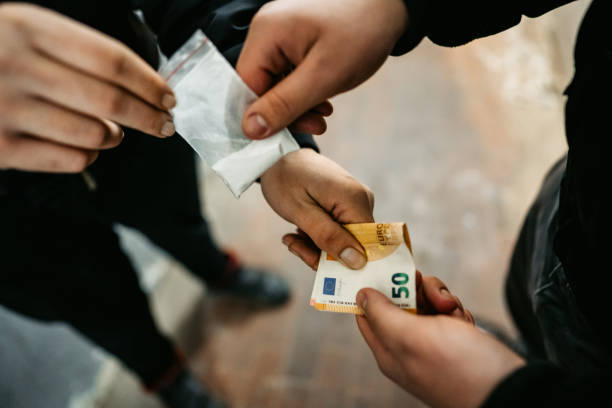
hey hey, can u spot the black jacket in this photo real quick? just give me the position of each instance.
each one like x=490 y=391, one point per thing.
x=583 y=219
x=169 y=24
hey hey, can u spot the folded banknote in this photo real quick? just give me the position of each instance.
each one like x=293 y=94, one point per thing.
x=390 y=269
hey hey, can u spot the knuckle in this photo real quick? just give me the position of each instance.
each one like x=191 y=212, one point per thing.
x=118 y=64
x=330 y=238
x=363 y=194
x=358 y=192
x=278 y=104
x=114 y=102
x=264 y=15
x=12 y=14
x=11 y=63
x=17 y=21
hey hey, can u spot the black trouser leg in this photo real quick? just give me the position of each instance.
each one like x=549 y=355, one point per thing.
x=157 y=193
x=56 y=269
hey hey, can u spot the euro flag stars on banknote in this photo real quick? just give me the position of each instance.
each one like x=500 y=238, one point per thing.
x=390 y=269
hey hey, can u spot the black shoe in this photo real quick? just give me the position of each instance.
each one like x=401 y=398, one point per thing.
x=252 y=284
x=258 y=286
x=187 y=392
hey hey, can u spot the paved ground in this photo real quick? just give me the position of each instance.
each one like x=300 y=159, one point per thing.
x=453 y=142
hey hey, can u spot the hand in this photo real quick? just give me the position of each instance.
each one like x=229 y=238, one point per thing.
x=62 y=88
x=433 y=298
x=318 y=196
x=444 y=361
x=300 y=53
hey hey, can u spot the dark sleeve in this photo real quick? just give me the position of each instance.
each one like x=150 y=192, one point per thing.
x=453 y=23
x=541 y=384
x=225 y=22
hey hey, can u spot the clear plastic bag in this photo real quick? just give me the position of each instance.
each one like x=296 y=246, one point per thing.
x=211 y=99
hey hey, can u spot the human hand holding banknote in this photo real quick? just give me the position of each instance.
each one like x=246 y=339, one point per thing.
x=318 y=196
x=444 y=361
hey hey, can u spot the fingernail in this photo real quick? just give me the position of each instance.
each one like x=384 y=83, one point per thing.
x=353 y=258
x=286 y=241
x=168 y=101
x=362 y=301
x=256 y=126
x=168 y=129
x=444 y=292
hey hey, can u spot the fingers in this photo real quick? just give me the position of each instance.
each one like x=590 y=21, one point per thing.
x=54 y=123
x=300 y=91
x=383 y=356
x=97 y=54
x=332 y=237
x=438 y=296
x=326 y=108
x=303 y=248
x=314 y=120
x=310 y=122
x=79 y=92
x=32 y=154
x=386 y=321
x=433 y=297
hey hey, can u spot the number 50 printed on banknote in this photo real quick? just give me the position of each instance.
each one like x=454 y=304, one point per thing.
x=390 y=269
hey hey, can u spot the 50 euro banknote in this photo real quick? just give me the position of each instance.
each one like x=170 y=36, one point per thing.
x=390 y=269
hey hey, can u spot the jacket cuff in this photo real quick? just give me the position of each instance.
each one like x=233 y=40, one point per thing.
x=305 y=140
x=417 y=11
x=534 y=382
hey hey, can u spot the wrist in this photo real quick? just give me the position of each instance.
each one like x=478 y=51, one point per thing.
x=506 y=365
x=302 y=154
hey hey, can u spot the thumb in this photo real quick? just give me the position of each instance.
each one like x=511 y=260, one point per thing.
x=332 y=237
x=299 y=92
x=387 y=321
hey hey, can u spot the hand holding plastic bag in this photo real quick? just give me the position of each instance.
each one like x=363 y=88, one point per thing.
x=211 y=99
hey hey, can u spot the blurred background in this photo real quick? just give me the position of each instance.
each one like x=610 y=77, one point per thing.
x=454 y=142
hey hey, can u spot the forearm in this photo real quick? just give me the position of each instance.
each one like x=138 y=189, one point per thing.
x=450 y=23
x=225 y=22
x=545 y=385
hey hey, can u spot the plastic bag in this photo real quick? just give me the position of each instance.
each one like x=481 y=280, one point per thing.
x=211 y=99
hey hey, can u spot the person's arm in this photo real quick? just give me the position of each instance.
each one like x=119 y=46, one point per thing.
x=225 y=23
x=299 y=54
x=305 y=188
x=65 y=88
x=453 y=23
x=542 y=384
x=448 y=363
